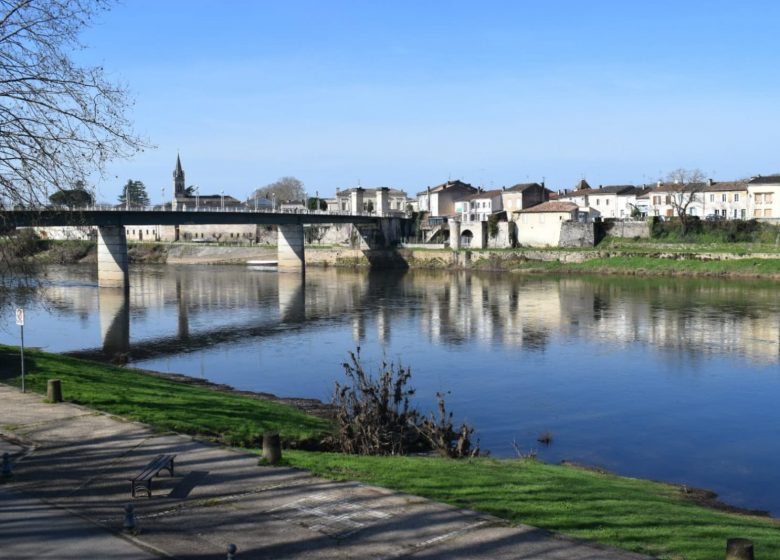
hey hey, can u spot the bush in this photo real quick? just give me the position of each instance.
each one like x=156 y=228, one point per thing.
x=374 y=416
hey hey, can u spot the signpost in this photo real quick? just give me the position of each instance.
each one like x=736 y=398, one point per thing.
x=20 y=322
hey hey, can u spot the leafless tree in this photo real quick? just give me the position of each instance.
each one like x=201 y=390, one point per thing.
x=59 y=121
x=285 y=189
x=689 y=183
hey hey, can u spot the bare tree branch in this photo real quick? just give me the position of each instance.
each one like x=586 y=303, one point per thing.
x=59 y=122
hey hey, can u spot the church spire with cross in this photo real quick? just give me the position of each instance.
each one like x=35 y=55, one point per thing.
x=178 y=180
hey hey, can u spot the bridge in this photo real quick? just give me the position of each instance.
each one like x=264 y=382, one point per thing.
x=377 y=231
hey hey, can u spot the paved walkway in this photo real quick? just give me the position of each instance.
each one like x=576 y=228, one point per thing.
x=70 y=485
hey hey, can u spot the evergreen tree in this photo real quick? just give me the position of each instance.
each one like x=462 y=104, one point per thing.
x=134 y=194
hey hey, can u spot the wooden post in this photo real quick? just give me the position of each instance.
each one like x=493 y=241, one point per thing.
x=54 y=391
x=272 y=448
x=739 y=549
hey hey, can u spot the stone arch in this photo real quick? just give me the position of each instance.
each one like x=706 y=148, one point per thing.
x=466 y=238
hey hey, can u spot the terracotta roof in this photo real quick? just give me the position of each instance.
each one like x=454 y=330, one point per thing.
x=610 y=189
x=678 y=187
x=551 y=206
x=520 y=187
x=765 y=180
x=448 y=185
x=722 y=186
x=483 y=194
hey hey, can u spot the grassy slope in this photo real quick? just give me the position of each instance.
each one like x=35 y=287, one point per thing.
x=638 y=515
x=632 y=514
x=164 y=404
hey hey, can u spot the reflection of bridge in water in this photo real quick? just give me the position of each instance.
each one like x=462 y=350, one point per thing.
x=297 y=307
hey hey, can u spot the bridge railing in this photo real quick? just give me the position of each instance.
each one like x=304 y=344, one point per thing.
x=205 y=209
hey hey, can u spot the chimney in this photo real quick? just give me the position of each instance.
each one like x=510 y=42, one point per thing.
x=659 y=184
x=601 y=186
x=710 y=182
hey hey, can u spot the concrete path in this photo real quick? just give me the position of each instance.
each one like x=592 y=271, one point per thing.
x=70 y=485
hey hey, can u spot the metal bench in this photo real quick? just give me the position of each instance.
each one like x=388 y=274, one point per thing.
x=143 y=480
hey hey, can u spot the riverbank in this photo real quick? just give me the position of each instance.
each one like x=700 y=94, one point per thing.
x=654 y=518
x=613 y=256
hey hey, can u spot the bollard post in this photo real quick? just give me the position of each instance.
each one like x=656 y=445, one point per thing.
x=272 y=448
x=7 y=471
x=131 y=524
x=739 y=549
x=231 y=555
x=54 y=391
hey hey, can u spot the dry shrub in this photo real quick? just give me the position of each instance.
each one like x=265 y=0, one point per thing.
x=374 y=416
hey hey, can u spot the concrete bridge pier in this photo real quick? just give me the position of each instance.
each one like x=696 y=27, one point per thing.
x=454 y=235
x=112 y=257
x=290 y=248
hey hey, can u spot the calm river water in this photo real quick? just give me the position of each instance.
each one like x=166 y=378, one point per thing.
x=667 y=379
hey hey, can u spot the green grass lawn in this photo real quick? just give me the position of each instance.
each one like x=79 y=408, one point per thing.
x=161 y=403
x=637 y=515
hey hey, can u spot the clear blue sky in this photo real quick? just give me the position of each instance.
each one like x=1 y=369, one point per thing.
x=407 y=94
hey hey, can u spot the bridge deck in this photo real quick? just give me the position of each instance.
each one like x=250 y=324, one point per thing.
x=26 y=218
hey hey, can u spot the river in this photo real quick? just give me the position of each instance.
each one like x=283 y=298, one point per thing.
x=668 y=379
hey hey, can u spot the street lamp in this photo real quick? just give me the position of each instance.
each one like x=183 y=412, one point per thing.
x=127 y=197
x=316 y=201
x=222 y=195
x=162 y=192
x=197 y=198
x=273 y=201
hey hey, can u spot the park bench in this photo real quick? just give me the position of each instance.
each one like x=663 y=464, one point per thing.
x=143 y=480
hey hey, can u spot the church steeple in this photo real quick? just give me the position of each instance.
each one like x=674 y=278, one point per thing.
x=178 y=179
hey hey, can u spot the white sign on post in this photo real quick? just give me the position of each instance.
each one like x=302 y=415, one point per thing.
x=20 y=322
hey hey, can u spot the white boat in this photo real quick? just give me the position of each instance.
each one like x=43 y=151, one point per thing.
x=262 y=263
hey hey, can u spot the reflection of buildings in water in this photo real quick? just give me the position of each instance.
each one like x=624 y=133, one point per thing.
x=701 y=317
x=707 y=317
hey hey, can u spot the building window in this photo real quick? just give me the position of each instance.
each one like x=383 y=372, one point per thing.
x=757 y=213
x=767 y=212
x=736 y=197
x=668 y=199
x=656 y=200
x=723 y=197
x=743 y=213
x=606 y=202
x=768 y=198
x=712 y=198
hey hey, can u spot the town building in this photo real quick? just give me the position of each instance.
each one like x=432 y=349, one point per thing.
x=345 y=201
x=540 y=225
x=611 y=201
x=764 y=197
x=439 y=201
x=523 y=195
x=479 y=206
x=725 y=200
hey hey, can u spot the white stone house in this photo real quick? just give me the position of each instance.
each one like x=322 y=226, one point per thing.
x=764 y=197
x=479 y=206
x=612 y=201
x=540 y=225
x=397 y=200
x=726 y=199
x=666 y=198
